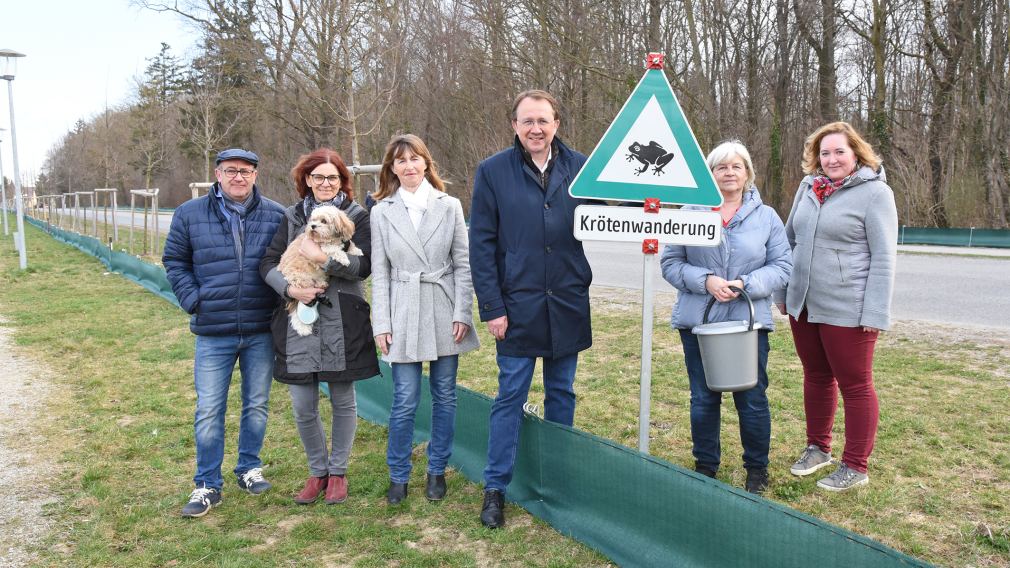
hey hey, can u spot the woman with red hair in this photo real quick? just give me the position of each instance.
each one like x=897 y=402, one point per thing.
x=340 y=350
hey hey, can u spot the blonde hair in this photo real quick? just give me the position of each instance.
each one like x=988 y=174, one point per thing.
x=860 y=147
x=727 y=151
x=537 y=95
x=398 y=145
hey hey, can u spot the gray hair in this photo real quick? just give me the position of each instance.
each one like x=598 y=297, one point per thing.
x=727 y=151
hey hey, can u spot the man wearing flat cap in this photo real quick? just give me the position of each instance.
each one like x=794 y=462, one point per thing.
x=212 y=257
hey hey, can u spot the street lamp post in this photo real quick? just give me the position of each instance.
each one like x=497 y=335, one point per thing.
x=3 y=186
x=10 y=58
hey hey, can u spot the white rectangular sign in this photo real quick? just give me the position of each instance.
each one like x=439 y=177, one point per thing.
x=633 y=224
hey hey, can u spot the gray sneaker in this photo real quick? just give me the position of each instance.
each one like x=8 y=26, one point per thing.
x=811 y=460
x=843 y=479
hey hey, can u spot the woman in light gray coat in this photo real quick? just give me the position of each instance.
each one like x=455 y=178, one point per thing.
x=422 y=300
x=753 y=256
x=843 y=230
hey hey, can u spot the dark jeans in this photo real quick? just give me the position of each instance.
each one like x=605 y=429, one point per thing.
x=751 y=407
x=515 y=374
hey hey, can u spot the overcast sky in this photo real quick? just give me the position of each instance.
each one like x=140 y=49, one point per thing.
x=81 y=54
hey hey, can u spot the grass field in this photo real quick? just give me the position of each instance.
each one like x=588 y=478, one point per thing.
x=119 y=421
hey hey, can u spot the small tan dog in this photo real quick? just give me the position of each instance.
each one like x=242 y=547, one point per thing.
x=331 y=229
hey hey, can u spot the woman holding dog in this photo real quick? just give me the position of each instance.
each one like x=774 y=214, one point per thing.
x=340 y=350
x=753 y=256
x=843 y=229
x=422 y=301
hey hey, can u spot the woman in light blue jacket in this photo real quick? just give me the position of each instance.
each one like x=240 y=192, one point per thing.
x=753 y=255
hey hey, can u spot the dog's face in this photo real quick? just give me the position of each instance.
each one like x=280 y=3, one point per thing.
x=328 y=224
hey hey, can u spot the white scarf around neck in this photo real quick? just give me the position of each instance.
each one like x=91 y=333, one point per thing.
x=416 y=202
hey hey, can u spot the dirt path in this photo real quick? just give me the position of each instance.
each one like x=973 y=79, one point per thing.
x=24 y=472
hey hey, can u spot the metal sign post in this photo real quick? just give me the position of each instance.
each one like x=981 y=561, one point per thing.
x=649 y=249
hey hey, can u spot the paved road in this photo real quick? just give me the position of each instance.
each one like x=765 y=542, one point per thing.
x=933 y=283
x=937 y=287
x=123 y=216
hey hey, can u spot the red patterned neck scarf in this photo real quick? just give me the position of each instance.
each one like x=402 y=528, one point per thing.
x=824 y=187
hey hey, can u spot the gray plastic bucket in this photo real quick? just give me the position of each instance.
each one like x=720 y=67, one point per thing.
x=729 y=350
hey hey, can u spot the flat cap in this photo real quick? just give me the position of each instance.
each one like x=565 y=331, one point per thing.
x=237 y=154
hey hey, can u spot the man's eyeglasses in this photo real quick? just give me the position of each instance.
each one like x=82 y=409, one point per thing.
x=319 y=179
x=232 y=172
x=529 y=122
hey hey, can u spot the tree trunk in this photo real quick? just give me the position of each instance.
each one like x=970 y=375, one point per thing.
x=655 y=38
x=774 y=192
x=826 y=77
x=880 y=122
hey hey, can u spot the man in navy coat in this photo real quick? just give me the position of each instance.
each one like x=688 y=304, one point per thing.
x=531 y=278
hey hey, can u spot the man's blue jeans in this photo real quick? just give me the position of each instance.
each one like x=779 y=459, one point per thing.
x=514 y=377
x=751 y=408
x=212 y=371
x=406 y=395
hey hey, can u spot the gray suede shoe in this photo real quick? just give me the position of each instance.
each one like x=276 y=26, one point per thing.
x=811 y=460
x=843 y=479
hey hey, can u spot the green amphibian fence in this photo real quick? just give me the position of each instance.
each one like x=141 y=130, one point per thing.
x=635 y=509
x=970 y=237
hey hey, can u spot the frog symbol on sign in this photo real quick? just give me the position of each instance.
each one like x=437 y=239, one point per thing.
x=651 y=155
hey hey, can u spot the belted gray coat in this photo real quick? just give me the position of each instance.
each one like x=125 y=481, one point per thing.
x=421 y=279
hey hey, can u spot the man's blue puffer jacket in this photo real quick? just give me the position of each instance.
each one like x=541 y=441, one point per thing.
x=224 y=296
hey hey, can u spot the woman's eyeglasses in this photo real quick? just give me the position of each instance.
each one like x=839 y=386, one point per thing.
x=319 y=179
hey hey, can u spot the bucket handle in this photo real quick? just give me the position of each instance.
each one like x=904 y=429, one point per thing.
x=750 y=304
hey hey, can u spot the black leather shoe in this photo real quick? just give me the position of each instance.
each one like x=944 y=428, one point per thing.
x=492 y=514
x=434 y=487
x=707 y=472
x=397 y=492
x=757 y=481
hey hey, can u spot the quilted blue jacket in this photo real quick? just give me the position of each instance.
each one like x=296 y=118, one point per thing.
x=753 y=248
x=225 y=296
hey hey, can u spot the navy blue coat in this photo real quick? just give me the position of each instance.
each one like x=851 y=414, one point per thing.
x=524 y=259
x=224 y=296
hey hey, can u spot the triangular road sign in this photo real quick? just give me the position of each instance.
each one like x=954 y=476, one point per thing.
x=648 y=151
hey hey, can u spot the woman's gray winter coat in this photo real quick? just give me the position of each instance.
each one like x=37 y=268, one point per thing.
x=844 y=252
x=753 y=248
x=421 y=279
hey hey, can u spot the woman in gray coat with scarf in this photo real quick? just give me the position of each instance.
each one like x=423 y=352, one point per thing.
x=753 y=256
x=422 y=300
x=843 y=229
x=340 y=349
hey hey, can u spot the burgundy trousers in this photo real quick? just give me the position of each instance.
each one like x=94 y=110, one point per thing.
x=838 y=359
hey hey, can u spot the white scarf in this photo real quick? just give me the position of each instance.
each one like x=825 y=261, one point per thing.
x=416 y=202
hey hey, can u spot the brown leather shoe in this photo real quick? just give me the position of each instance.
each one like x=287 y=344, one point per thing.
x=314 y=487
x=336 y=490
